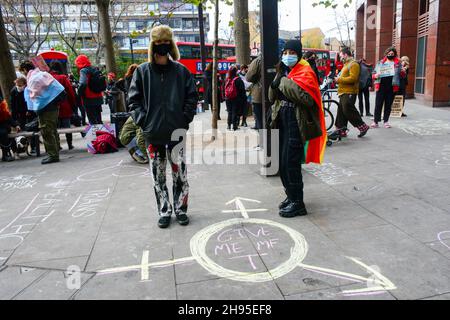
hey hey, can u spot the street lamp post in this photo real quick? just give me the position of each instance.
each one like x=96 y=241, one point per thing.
x=300 y=18
x=131 y=49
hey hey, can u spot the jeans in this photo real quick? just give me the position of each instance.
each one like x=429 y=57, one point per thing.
x=291 y=154
x=158 y=156
x=94 y=114
x=257 y=110
x=366 y=93
x=65 y=123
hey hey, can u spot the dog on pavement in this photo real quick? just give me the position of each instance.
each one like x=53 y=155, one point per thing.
x=22 y=146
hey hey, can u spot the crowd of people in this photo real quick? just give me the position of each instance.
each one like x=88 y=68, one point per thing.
x=161 y=97
x=38 y=103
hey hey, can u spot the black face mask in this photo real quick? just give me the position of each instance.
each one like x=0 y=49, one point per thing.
x=391 y=57
x=162 y=49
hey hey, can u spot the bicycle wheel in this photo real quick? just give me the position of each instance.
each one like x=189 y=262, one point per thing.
x=326 y=97
x=329 y=117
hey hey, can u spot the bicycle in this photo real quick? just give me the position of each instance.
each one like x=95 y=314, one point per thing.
x=329 y=117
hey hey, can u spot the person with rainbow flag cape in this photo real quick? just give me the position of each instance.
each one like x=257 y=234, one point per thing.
x=297 y=112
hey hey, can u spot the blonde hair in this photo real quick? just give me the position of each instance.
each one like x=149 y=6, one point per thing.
x=405 y=59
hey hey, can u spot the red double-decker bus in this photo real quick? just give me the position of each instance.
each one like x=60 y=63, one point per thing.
x=191 y=57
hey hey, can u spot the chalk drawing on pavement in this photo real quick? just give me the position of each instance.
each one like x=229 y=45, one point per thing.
x=18 y=182
x=441 y=239
x=114 y=171
x=445 y=160
x=222 y=234
x=425 y=127
x=329 y=173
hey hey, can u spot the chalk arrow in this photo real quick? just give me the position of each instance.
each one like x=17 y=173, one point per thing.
x=241 y=208
x=375 y=284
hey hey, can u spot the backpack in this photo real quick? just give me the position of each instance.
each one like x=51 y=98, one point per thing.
x=104 y=143
x=230 y=89
x=97 y=81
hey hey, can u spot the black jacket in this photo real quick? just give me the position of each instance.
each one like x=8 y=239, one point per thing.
x=162 y=99
x=18 y=106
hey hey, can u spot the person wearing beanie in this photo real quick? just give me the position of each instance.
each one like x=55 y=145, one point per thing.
x=348 y=81
x=92 y=101
x=387 y=77
x=298 y=114
x=162 y=100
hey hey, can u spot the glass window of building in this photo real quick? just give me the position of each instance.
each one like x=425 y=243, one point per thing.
x=421 y=65
x=424 y=6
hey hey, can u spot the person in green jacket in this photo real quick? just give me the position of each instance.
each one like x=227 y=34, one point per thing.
x=132 y=137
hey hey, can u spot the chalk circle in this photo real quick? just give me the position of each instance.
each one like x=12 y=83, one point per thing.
x=201 y=238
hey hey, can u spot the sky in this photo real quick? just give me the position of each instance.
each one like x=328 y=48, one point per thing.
x=288 y=11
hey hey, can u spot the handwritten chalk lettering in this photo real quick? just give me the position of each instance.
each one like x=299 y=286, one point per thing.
x=87 y=204
x=250 y=257
x=426 y=127
x=266 y=244
x=445 y=160
x=19 y=182
x=329 y=173
x=240 y=233
x=231 y=248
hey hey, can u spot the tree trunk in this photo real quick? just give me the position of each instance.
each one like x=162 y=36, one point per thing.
x=215 y=105
x=242 y=31
x=7 y=70
x=203 y=53
x=106 y=34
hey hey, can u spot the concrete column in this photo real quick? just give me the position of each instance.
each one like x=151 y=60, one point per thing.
x=385 y=17
x=407 y=19
x=360 y=33
x=370 y=32
x=437 y=91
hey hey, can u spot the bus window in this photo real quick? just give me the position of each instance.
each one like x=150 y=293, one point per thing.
x=227 y=52
x=196 y=53
x=185 y=52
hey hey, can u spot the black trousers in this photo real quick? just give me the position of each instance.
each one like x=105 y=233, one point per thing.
x=366 y=93
x=257 y=110
x=244 y=113
x=291 y=154
x=347 y=112
x=385 y=96
x=233 y=114
x=94 y=114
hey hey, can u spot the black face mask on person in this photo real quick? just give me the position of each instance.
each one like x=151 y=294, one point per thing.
x=391 y=57
x=162 y=49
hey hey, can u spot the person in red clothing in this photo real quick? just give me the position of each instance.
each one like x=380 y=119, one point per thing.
x=65 y=106
x=92 y=101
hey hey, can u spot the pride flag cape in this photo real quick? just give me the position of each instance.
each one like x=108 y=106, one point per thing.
x=304 y=76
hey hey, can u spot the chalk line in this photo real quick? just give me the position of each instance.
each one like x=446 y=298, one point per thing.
x=21 y=214
x=442 y=240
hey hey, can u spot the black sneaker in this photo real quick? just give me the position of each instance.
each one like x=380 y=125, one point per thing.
x=49 y=160
x=183 y=219
x=164 y=222
x=404 y=115
x=293 y=209
x=284 y=203
x=363 y=129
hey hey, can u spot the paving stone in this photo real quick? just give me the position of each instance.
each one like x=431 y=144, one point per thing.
x=54 y=285
x=337 y=293
x=129 y=286
x=224 y=289
x=416 y=270
x=415 y=217
x=57 y=264
x=13 y=280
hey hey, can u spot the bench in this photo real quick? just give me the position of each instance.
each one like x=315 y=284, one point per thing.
x=35 y=135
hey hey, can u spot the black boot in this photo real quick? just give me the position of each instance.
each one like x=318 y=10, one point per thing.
x=294 y=209
x=6 y=155
x=284 y=204
x=69 y=139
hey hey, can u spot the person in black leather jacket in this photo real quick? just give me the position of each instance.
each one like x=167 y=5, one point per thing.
x=162 y=100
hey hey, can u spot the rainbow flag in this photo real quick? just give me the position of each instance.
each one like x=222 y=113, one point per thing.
x=303 y=75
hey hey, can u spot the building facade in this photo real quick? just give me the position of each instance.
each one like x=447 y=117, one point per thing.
x=418 y=29
x=79 y=19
